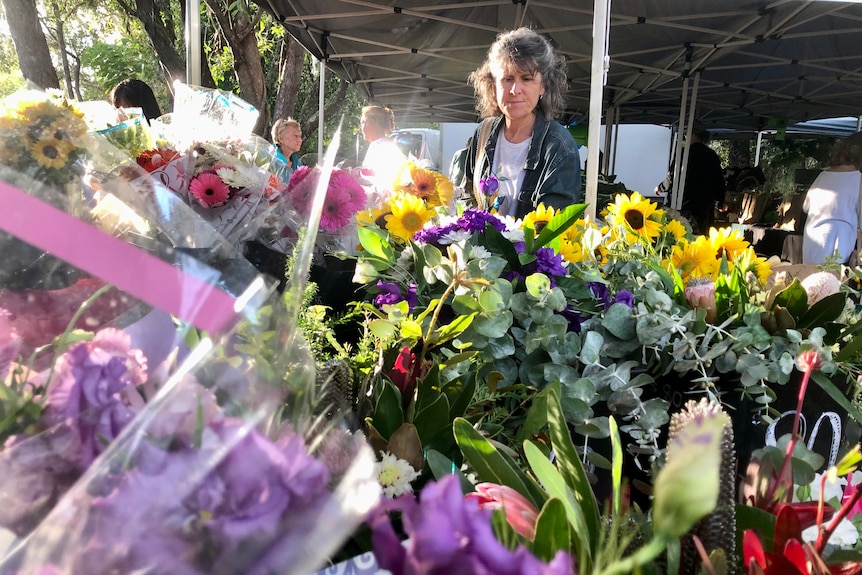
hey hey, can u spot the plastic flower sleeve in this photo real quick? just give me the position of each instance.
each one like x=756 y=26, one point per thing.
x=233 y=465
x=92 y=283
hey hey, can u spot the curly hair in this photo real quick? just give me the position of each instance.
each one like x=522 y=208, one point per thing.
x=529 y=52
x=281 y=125
x=848 y=151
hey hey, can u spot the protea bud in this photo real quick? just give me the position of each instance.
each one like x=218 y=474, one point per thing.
x=717 y=529
x=700 y=294
x=520 y=513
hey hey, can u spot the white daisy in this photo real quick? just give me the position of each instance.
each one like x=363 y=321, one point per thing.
x=395 y=475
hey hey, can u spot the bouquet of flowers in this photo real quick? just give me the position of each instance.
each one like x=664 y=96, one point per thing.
x=192 y=449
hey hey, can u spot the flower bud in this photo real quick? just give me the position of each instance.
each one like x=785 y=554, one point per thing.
x=520 y=513
x=810 y=360
x=700 y=294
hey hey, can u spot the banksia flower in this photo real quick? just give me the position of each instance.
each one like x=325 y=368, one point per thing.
x=717 y=529
x=335 y=382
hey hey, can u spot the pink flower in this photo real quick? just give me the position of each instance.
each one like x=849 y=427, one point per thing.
x=209 y=190
x=336 y=210
x=700 y=294
x=343 y=181
x=520 y=513
x=301 y=188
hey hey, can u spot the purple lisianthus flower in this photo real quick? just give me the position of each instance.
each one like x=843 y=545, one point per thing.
x=91 y=390
x=489 y=185
x=474 y=221
x=601 y=293
x=452 y=535
x=390 y=294
x=574 y=317
x=547 y=262
x=624 y=296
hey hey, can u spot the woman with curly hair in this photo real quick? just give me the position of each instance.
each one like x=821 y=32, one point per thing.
x=519 y=152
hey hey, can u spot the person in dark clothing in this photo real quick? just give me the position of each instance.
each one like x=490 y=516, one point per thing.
x=704 y=182
x=133 y=93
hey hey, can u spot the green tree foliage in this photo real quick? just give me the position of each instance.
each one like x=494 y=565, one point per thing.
x=131 y=57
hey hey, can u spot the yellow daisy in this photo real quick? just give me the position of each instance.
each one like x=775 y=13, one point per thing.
x=633 y=212
x=676 y=229
x=695 y=259
x=539 y=218
x=727 y=242
x=51 y=152
x=409 y=215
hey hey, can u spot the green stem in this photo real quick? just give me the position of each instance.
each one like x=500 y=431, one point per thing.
x=436 y=315
x=642 y=556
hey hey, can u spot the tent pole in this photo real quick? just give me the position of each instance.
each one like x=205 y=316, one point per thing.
x=613 y=166
x=757 y=149
x=321 y=92
x=677 y=153
x=193 y=43
x=691 y=110
x=609 y=131
x=859 y=123
x=601 y=24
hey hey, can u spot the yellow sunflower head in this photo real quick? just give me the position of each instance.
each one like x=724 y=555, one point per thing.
x=539 y=218
x=409 y=215
x=51 y=152
x=573 y=252
x=675 y=229
x=633 y=213
x=695 y=259
x=727 y=242
x=749 y=261
x=443 y=190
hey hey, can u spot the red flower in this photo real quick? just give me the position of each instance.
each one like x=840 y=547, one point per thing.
x=404 y=374
x=150 y=160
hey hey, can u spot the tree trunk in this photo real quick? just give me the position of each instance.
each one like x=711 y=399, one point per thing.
x=238 y=30
x=292 y=60
x=335 y=102
x=60 y=32
x=34 y=58
x=162 y=38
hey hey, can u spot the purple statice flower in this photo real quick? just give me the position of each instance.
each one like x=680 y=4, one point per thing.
x=489 y=185
x=624 y=296
x=449 y=534
x=474 y=221
x=390 y=294
x=432 y=235
x=91 y=390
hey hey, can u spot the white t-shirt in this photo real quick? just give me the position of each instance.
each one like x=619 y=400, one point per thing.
x=832 y=207
x=509 y=160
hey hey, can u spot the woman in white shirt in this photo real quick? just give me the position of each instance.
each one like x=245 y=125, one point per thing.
x=383 y=156
x=832 y=205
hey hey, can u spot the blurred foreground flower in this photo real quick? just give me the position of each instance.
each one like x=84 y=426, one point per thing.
x=520 y=513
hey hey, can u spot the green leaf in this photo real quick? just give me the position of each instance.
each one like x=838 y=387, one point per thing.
x=552 y=530
x=432 y=421
x=497 y=243
x=388 y=415
x=460 y=394
x=763 y=522
x=555 y=485
x=537 y=414
x=617 y=465
x=826 y=385
x=571 y=468
x=824 y=311
x=794 y=298
x=441 y=466
x=504 y=532
x=493 y=465
x=376 y=242
x=559 y=224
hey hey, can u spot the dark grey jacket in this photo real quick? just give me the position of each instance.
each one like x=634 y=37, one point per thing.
x=553 y=166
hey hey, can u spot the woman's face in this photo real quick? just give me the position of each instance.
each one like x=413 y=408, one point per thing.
x=518 y=91
x=290 y=140
x=370 y=129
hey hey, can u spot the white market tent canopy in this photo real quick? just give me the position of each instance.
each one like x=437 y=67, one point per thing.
x=761 y=63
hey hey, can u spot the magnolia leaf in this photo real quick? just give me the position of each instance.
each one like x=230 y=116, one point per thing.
x=686 y=488
x=388 y=415
x=794 y=298
x=405 y=444
x=432 y=421
x=493 y=465
x=552 y=530
x=824 y=311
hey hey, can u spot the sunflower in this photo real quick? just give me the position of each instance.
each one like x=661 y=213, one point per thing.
x=727 y=242
x=748 y=261
x=539 y=218
x=573 y=251
x=67 y=127
x=409 y=215
x=443 y=191
x=694 y=259
x=676 y=229
x=633 y=212
x=51 y=152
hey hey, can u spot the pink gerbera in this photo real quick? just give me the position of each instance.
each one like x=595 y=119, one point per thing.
x=343 y=181
x=209 y=190
x=336 y=210
x=301 y=188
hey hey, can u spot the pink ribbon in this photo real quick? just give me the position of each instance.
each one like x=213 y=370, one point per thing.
x=129 y=268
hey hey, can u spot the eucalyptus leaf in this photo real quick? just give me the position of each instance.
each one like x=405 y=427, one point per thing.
x=620 y=321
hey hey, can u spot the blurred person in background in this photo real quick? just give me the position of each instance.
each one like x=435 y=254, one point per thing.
x=134 y=93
